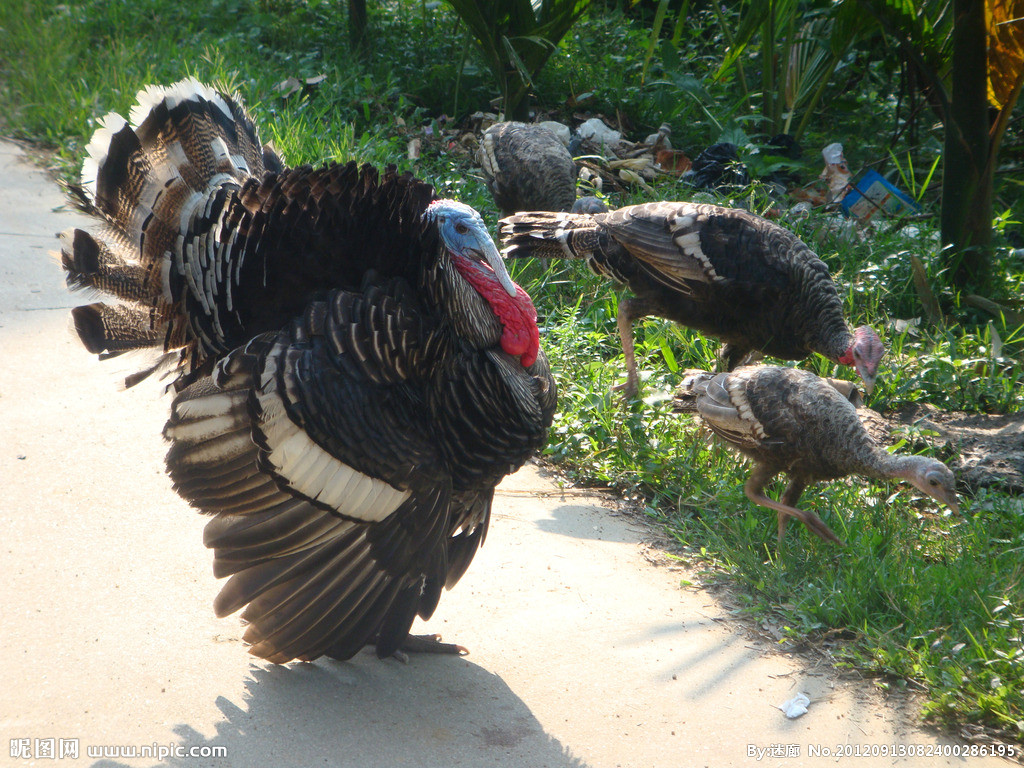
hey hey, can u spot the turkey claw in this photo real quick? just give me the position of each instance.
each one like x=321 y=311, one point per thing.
x=431 y=644
x=628 y=389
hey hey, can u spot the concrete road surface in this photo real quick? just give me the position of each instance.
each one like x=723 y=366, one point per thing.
x=583 y=653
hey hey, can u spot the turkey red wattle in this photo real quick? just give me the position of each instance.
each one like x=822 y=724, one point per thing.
x=520 y=336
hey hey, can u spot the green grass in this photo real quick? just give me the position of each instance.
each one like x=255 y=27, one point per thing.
x=916 y=596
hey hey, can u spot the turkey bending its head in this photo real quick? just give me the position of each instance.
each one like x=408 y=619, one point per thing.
x=790 y=421
x=864 y=354
x=723 y=272
x=527 y=168
x=476 y=259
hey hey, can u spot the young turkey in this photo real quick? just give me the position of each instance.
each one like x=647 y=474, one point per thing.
x=355 y=369
x=791 y=421
x=527 y=168
x=877 y=427
x=724 y=272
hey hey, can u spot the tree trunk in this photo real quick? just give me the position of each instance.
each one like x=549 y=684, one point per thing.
x=966 y=216
x=357 y=25
x=517 y=98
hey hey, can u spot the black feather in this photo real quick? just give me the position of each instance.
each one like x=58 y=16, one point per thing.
x=337 y=379
x=724 y=272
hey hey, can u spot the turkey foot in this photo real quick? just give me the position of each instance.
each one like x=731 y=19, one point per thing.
x=629 y=389
x=427 y=644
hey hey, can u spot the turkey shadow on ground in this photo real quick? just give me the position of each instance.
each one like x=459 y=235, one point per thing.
x=590 y=521
x=371 y=713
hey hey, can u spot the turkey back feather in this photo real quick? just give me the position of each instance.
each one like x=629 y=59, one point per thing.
x=527 y=168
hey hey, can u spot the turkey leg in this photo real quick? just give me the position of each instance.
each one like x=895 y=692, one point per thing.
x=629 y=311
x=731 y=357
x=754 y=488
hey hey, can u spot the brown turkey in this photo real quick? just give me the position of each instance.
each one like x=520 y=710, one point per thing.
x=527 y=168
x=355 y=370
x=791 y=421
x=875 y=423
x=724 y=272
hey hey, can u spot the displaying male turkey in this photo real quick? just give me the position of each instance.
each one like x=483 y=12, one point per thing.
x=724 y=272
x=791 y=421
x=356 y=371
x=527 y=168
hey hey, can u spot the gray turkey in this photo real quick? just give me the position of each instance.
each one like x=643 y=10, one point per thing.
x=873 y=422
x=791 y=421
x=527 y=168
x=355 y=369
x=724 y=272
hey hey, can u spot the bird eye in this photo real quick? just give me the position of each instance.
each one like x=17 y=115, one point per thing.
x=461 y=228
x=933 y=482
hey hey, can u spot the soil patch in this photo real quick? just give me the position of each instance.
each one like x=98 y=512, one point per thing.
x=985 y=451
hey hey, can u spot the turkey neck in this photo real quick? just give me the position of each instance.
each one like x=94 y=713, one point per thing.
x=520 y=336
x=871 y=460
x=468 y=312
x=826 y=332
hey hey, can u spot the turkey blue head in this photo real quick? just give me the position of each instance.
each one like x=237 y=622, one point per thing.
x=864 y=354
x=477 y=260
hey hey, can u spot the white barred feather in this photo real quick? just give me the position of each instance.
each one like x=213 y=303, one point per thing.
x=185 y=90
x=310 y=470
x=96 y=151
x=736 y=386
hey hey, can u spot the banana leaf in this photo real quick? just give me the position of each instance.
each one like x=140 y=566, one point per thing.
x=516 y=39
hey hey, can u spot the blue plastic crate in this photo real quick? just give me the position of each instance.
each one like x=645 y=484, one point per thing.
x=872 y=194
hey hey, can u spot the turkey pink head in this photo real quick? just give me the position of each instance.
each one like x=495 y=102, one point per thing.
x=477 y=259
x=864 y=354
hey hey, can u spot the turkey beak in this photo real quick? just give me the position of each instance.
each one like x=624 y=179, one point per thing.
x=489 y=251
x=949 y=499
x=869 y=379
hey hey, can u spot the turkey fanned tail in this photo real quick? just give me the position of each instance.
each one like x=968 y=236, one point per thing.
x=164 y=181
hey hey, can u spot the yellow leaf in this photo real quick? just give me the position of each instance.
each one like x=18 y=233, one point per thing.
x=1005 y=20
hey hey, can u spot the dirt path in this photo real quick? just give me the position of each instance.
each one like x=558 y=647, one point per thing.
x=583 y=653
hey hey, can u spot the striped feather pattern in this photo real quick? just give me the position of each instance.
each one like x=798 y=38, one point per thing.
x=343 y=406
x=110 y=330
x=791 y=421
x=724 y=272
x=165 y=181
